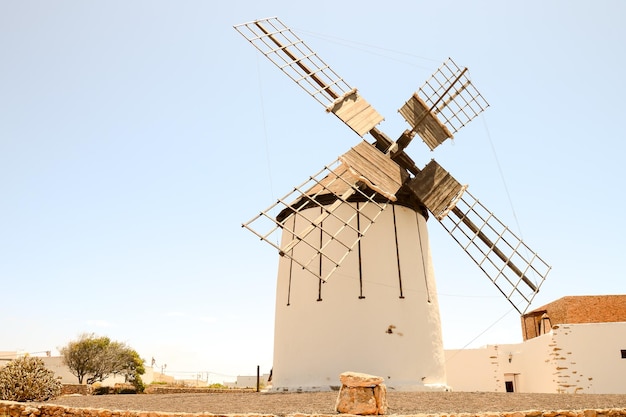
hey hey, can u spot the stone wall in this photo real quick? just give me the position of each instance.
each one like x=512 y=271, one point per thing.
x=82 y=389
x=16 y=409
x=160 y=389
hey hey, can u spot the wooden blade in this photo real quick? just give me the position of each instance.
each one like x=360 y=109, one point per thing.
x=437 y=189
x=375 y=169
x=357 y=113
x=508 y=262
x=444 y=104
x=425 y=123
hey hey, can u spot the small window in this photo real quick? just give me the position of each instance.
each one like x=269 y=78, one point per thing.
x=623 y=353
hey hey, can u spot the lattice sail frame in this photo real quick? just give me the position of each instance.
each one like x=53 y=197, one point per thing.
x=291 y=56
x=294 y=58
x=352 y=210
x=517 y=271
x=453 y=95
x=444 y=104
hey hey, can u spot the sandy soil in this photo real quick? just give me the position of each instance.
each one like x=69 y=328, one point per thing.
x=324 y=402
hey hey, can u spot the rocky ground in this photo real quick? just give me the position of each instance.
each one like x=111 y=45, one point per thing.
x=324 y=402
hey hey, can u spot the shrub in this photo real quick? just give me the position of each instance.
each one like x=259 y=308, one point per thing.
x=98 y=389
x=158 y=383
x=138 y=384
x=27 y=379
x=125 y=388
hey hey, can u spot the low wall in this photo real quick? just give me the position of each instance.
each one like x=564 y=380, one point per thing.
x=17 y=409
x=82 y=389
x=158 y=389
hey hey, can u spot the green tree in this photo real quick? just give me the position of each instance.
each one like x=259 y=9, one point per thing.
x=133 y=367
x=79 y=355
x=92 y=358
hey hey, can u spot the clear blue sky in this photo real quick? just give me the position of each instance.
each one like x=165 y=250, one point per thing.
x=137 y=136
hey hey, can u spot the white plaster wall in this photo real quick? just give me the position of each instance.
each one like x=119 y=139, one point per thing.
x=589 y=359
x=485 y=369
x=508 y=361
x=471 y=369
x=533 y=365
x=149 y=376
x=249 y=381
x=56 y=365
x=572 y=358
x=315 y=340
x=6 y=355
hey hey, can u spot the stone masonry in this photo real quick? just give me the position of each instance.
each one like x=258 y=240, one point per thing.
x=361 y=394
x=16 y=409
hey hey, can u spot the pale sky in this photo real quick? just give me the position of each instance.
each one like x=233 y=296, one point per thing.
x=137 y=136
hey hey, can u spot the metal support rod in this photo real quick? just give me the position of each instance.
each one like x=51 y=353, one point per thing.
x=493 y=247
x=299 y=63
x=317 y=221
x=453 y=96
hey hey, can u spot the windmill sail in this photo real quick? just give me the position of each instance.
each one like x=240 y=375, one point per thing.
x=444 y=104
x=349 y=194
x=294 y=58
x=513 y=267
x=508 y=262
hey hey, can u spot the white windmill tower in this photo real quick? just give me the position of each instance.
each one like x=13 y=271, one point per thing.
x=362 y=219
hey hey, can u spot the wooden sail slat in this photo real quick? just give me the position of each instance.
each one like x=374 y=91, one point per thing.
x=356 y=112
x=424 y=123
x=436 y=188
x=352 y=105
x=365 y=121
x=412 y=111
x=378 y=171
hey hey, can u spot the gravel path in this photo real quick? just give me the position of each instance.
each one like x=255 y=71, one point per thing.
x=403 y=403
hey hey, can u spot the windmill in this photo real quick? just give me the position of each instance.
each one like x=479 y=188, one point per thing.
x=362 y=221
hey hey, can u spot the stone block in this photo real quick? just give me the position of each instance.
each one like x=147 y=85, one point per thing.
x=357 y=379
x=361 y=394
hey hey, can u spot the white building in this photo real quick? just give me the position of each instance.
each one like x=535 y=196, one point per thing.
x=249 y=381
x=573 y=345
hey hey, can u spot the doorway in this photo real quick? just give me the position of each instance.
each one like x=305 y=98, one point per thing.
x=510 y=382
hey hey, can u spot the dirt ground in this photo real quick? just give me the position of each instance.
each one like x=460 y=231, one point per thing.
x=402 y=403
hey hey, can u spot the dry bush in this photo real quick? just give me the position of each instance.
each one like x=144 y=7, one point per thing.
x=27 y=379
